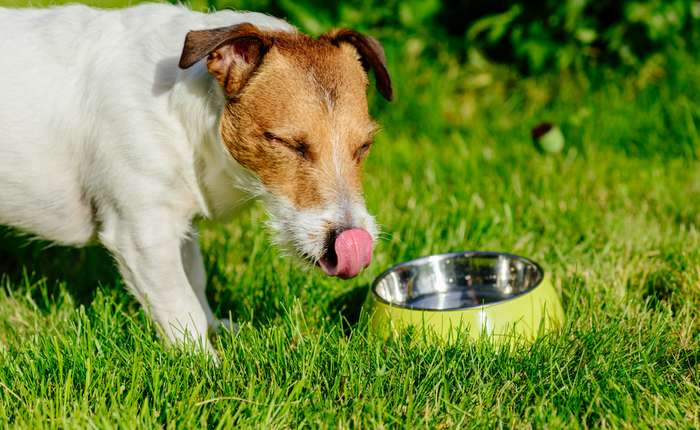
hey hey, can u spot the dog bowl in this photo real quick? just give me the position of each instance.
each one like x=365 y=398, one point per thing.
x=478 y=293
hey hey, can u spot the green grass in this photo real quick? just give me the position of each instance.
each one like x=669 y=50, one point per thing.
x=614 y=219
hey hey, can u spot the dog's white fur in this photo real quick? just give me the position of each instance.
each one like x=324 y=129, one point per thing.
x=103 y=137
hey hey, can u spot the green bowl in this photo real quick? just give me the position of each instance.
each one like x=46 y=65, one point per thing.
x=500 y=296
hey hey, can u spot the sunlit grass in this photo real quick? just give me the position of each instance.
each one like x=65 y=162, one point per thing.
x=613 y=218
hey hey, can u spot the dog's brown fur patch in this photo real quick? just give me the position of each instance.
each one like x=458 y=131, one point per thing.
x=301 y=122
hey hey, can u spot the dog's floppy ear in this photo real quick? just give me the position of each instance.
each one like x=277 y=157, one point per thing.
x=371 y=55
x=233 y=53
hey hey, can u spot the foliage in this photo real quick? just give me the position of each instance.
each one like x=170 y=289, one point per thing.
x=535 y=35
x=560 y=34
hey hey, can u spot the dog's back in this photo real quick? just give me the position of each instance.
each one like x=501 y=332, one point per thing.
x=41 y=110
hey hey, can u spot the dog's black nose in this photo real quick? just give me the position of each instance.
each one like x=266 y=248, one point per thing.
x=329 y=254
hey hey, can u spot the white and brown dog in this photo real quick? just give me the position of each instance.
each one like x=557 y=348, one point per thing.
x=123 y=126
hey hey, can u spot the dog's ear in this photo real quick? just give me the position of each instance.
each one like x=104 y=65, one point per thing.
x=371 y=54
x=233 y=53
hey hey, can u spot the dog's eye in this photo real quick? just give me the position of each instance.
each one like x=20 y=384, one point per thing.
x=361 y=152
x=300 y=147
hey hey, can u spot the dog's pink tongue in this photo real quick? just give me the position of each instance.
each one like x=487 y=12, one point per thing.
x=353 y=249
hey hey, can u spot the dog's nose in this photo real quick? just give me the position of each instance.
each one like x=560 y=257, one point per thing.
x=347 y=253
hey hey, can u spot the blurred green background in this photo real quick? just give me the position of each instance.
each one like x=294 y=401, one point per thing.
x=534 y=36
x=455 y=61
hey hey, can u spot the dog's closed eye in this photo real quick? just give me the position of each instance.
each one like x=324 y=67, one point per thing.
x=300 y=147
x=362 y=151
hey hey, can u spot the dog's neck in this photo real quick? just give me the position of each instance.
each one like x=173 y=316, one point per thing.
x=224 y=185
x=198 y=101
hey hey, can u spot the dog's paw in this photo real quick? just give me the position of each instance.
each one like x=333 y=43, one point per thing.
x=226 y=324
x=213 y=355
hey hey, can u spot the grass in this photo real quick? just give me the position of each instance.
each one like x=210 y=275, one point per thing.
x=614 y=219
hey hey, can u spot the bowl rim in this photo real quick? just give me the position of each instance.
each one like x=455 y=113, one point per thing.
x=421 y=260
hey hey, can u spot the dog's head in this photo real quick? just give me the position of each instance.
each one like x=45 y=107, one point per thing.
x=296 y=116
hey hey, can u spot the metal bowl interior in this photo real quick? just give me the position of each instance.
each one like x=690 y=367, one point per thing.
x=457 y=281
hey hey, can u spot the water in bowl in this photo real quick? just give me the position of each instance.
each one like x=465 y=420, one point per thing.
x=454 y=299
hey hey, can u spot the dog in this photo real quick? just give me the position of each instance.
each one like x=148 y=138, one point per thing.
x=123 y=126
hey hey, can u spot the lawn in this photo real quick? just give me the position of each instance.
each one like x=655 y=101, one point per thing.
x=613 y=219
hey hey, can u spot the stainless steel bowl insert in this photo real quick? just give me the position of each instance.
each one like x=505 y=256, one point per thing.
x=457 y=281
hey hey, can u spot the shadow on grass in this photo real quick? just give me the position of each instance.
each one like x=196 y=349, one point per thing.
x=347 y=308
x=24 y=261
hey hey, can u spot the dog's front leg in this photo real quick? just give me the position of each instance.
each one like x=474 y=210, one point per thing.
x=196 y=273
x=148 y=251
